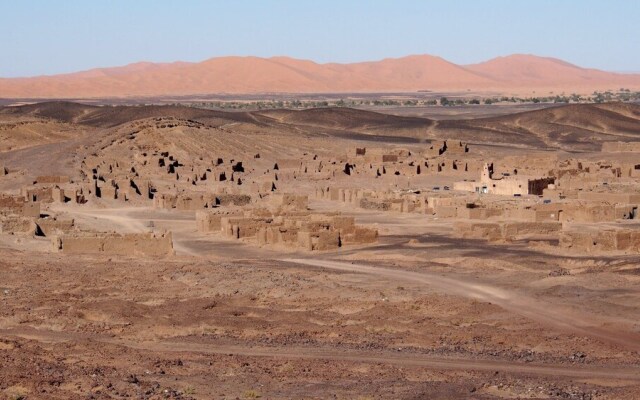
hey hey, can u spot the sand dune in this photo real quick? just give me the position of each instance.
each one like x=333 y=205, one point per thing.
x=241 y=75
x=531 y=71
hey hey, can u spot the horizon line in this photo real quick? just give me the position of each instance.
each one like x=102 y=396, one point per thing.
x=133 y=63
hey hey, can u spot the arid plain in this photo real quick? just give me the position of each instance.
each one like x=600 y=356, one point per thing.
x=179 y=252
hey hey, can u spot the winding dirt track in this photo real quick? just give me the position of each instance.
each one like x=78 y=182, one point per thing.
x=522 y=305
x=382 y=357
x=118 y=216
x=548 y=314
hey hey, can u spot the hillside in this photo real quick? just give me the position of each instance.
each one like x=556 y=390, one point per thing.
x=19 y=132
x=108 y=116
x=345 y=118
x=570 y=127
x=576 y=127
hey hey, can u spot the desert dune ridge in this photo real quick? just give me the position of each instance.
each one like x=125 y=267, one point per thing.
x=517 y=73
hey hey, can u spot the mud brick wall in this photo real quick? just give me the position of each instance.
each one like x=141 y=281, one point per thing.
x=14 y=224
x=211 y=220
x=504 y=231
x=591 y=241
x=360 y=235
x=130 y=244
x=320 y=241
x=44 y=179
x=52 y=226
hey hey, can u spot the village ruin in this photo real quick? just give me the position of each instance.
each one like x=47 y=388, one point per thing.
x=254 y=199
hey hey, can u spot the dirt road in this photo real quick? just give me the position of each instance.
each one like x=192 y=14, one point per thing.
x=548 y=314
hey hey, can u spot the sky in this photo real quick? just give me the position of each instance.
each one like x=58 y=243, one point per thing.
x=43 y=37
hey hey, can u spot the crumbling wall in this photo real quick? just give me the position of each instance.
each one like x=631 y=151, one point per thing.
x=128 y=244
x=242 y=227
x=211 y=220
x=605 y=240
x=490 y=231
x=479 y=212
x=198 y=201
x=19 y=206
x=610 y=197
x=513 y=229
x=504 y=230
x=42 y=194
x=294 y=202
x=359 y=235
x=390 y=202
x=589 y=212
x=373 y=204
x=278 y=235
x=54 y=226
x=232 y=199
x=389 y=158
x=14 y=224
x=108 y=191
x=52 y=179
x=319 y=240
x=293 y=228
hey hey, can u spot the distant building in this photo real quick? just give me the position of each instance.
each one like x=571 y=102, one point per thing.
x=511 y=185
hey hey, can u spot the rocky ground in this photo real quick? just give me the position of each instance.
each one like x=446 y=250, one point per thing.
x=87 y=327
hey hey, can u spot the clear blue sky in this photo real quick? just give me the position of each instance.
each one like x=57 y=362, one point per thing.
x=48 y=36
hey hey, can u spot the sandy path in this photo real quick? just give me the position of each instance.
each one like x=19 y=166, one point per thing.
x=117 y=216
x=545 y=313
x=381 y=357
